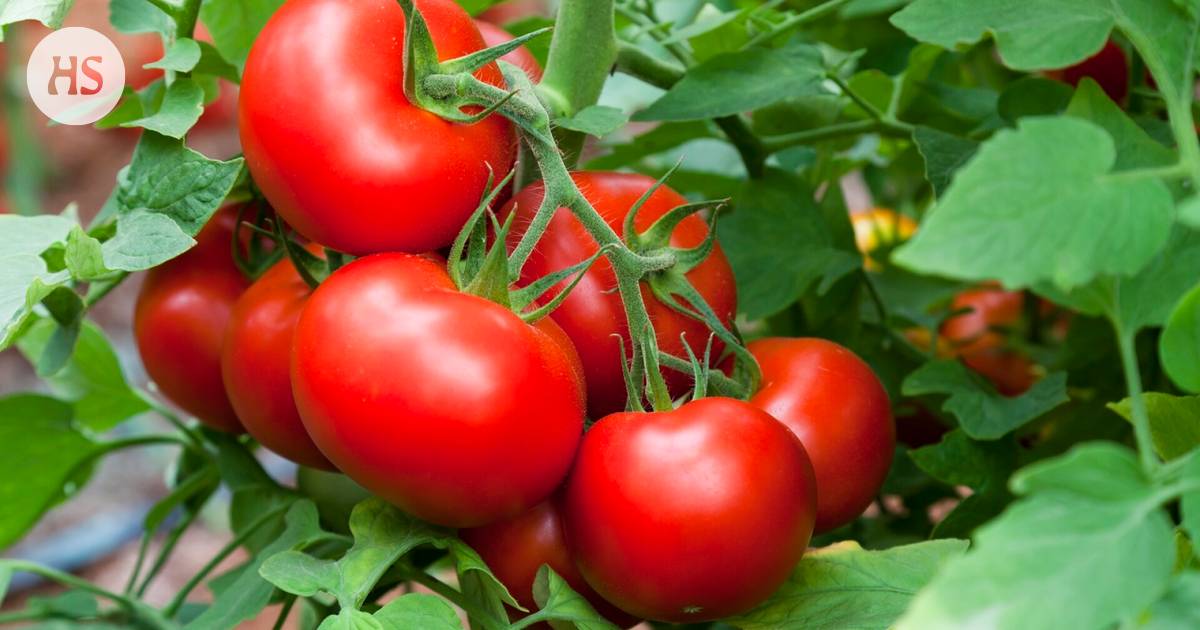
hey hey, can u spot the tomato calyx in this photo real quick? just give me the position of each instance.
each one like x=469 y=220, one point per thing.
x=485 y=270
x=434 y=85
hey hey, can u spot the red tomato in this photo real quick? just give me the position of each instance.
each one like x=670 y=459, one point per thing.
x=494 y=36
x=979 y=339
x=592 y=315
x=335 y=145
x=256 y=359
x=692 y=514
x=180 y=319
x=838 y=408
x=443 y=403
x=1109 y=68
x=514 y=549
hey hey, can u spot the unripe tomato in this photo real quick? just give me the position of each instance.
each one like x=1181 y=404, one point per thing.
x=256 y=362
x=180 y=318
x=1109 y=68
x=494 y=36
x=979 y=339
x=692 y=514
x=836 y=405
x=515 y=548
x=443 y=403
x=334 y=143
x=880 y=228
x=592 y=314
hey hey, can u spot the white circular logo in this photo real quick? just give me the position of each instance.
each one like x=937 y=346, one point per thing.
x=75 y=76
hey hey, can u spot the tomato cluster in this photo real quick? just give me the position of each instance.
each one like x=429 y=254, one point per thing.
x=456 y=409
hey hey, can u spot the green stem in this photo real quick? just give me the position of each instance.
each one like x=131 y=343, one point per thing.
x=867 y=106
x=796 y=21
x=775 y=144
x=1133 y=382
x=229 y=548
x=483 y=617
x=168 y=547
x=132 y=606
x=186 y=17
x=663 y=74
x=284 y=612
x=582 y=52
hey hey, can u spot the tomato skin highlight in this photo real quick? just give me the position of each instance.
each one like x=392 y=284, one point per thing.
x=396 y=178
x=592 y=315
x=445 y=404
x=521 y=57
x=256 y=363
x=515 y=548
x=836 y=405
x=692 y=514
x=982 y=347
x=180 y=318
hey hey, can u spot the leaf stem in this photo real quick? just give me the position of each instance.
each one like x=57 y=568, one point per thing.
x=796 y=21
x=1133 y=382
x=229 y=548
x=775 y=144
x=133 y=606
x=486 y=619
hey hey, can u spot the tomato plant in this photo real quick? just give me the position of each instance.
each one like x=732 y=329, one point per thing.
x=413 y=179
x=180 y=320
x=388 y=356
x=595 y=313
x=694 y=533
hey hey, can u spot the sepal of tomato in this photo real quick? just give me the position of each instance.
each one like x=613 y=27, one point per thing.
x=443 y=403
x=593 y=315
x=835 y=404
x=256 y=362
x=493 y=35
x=343 y=155
x=180 y=318
x=515 y=548
x=692 y=514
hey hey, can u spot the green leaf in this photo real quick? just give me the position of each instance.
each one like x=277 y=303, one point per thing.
x=1179 y=345
x=596 y=120
x=182 y=56
x=181 y=107
x=83 y=256
x=1145 y=299
x=350 y=619
x=1177 y=608
x=1033 y=96
x=168 y=178
x=738 y=82
x=944 y=154
x=1174 y=421
x=250 y=593
x=300 y=574
x=562 y=604
x=478 y=583
x=1039 y=205
x=982 y=412
x=144 y=240
x=982 y=466
x=212 y=63
x=1189 y=212
x=1088 y=548
x=234 y=25
x=48 y=12
x=662 y=138
x=1135 y=148
x=778 y=244
x=1060 y=33
x=846 y=586
x=43 y=450
x=1189 y=504
x=92 y=380
x=31 y=235
x=418 y=610
x=139 y=16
